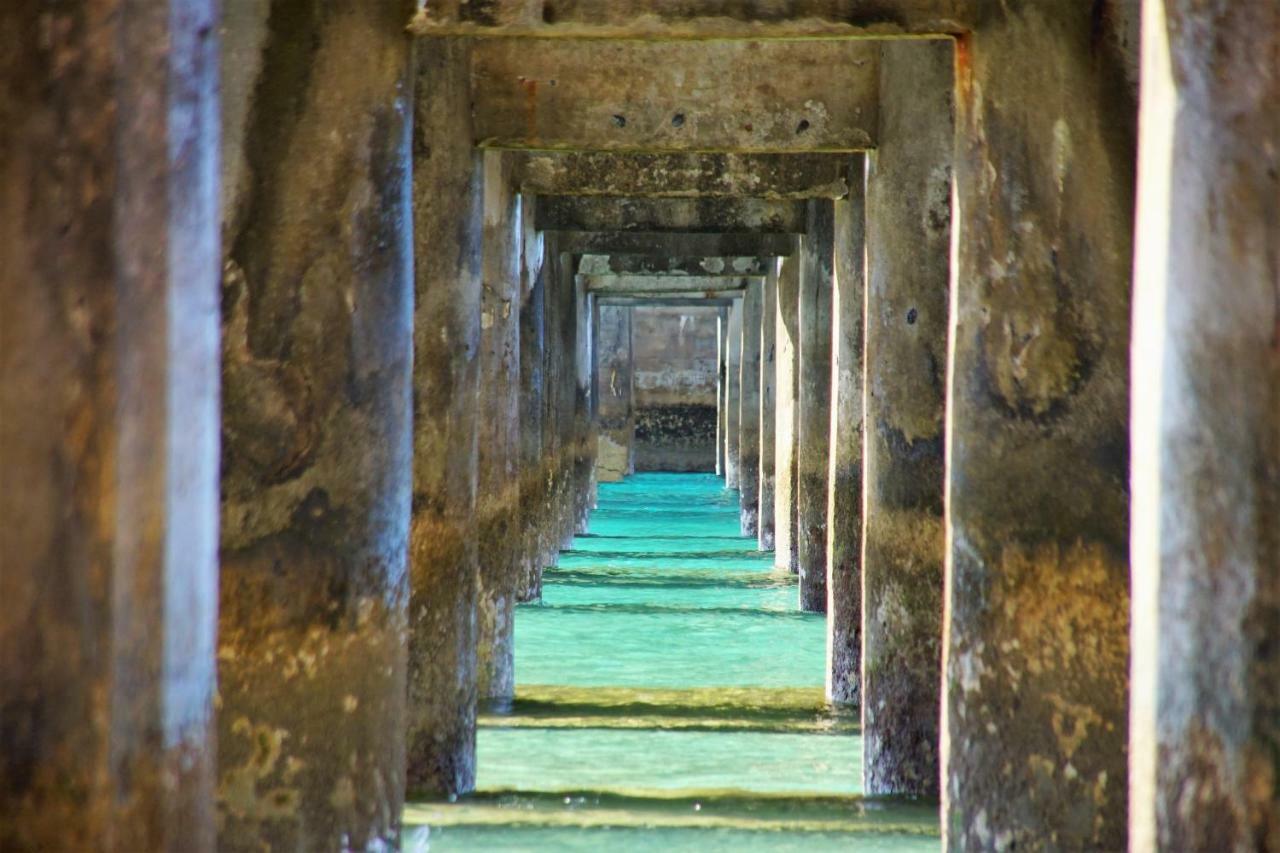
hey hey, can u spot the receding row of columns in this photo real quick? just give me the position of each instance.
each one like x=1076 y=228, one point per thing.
x=386 y=308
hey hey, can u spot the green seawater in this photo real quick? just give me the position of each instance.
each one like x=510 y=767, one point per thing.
x=669 y=697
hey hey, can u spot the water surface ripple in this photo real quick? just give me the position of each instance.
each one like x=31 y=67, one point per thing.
x=669 y=697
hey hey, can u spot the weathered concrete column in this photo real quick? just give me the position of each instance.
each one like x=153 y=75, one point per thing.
x=448 y=216
x=722 y=388
x=733 y=394
x=749 y=406
x=813 y=406
x=615 y=418
x=498 y=476
x=317 y=446
x=533 y=461
x=844 y=483
x=721 y=407
x=909 y=269
x=566 y=376
x=1206 y=433
x=553 y=274
x=1035 y=706
x=768 y=407
x=787 y=336
x=108 y=425
x=584 y=428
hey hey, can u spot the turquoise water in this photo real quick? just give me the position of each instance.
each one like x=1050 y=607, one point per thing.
x=669 y=697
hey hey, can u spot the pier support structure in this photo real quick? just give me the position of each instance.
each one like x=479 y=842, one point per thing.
x=448 y=180
x=1035 y=707
x=317 y=455
x=768 y=407
x=108 y=425
x=1205 y=727
x=844 y=483
x=749 y=406
x=908 y=246
x=733 y=395
x=786 y=402
x=813 y=403
x=615 y=417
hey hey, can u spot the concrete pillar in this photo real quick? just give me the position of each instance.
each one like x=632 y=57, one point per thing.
x=316 y=464
x=564 y=357
x=749 y=407
x=768 y=407
x=109 y=433
x=552 y=535
x=787 y=337
x=722 y=388
x=498 y=474
x=448 y=215
x=908 y=259
x=844 y=479
x=615 y=421
x=813 y=432
x=1206 y=433
x=733 y=394
x=1035 y=706
x=533 y=470
x=584 y=428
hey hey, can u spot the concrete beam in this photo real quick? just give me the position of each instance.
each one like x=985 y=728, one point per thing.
x=718 y=215
x=661 y=96
x=718 y=19
x=629 y=285
x=682 y=175
x=732 y=267
x=689 y=300
x=675 y=244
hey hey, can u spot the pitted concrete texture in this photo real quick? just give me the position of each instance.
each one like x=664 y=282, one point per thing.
x=317 y=449
x=1035 y=708
x=108 y=425
x=768 y=408
x=749 y=407
x=499 y=532
x=844 y=502
x=813 y=404
x=443 y=561
x=907 y=303
x=1205 y=727
x=787 y=341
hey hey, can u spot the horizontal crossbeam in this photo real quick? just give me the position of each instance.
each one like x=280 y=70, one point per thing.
x=674 y=244
x=682 y=175
x=728 y=96
x=710 y=215
x=733 y=267
x=694 y=19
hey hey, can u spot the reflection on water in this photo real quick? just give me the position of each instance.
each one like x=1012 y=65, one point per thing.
x=669 y=697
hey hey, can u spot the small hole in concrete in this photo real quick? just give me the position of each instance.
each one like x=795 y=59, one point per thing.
x=619 y=121
x=911 y=317
x=802 y=126
x=677 y=120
